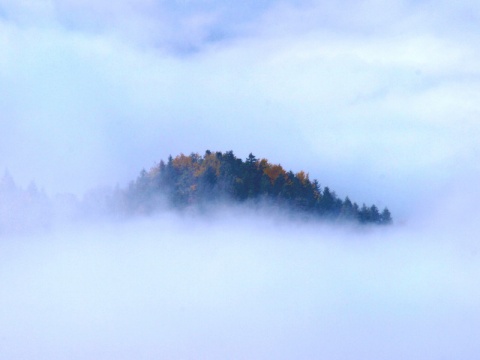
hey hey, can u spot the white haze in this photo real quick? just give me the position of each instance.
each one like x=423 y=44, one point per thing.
x=241 y=285
x=377 y=100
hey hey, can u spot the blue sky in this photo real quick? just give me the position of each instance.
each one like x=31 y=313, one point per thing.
x=378 y=100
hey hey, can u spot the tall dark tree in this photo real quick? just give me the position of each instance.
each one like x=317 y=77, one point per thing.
x=385 y=217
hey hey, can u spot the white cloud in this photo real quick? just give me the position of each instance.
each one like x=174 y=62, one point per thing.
x=377 y=100
x=386 y=96
x=240 y=285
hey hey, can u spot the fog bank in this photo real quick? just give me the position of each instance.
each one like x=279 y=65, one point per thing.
x=377 y=100
x=240 y=285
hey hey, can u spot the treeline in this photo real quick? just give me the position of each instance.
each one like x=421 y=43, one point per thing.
x=22 y=209
x=183 y=182
x=195 y=180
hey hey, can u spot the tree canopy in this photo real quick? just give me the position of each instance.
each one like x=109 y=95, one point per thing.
x=194 y=179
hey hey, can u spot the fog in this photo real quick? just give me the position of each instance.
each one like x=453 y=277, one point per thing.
x=377 y=100
x=239 y=283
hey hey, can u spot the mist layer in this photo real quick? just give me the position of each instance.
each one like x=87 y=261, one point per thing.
x=239 y=285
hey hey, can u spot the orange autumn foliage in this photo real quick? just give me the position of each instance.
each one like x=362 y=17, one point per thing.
x=274 y=171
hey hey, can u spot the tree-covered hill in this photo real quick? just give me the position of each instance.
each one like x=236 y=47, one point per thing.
x=195 y=180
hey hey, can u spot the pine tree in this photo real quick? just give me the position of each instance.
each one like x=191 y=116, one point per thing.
x=385 y=217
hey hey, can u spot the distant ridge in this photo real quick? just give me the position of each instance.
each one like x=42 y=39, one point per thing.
x=195 y=180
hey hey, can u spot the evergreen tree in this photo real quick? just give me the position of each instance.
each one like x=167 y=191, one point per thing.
x=385 y=217
x=374 y=214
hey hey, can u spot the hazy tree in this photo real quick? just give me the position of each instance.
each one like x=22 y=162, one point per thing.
x=374 y=215
x=385 y=217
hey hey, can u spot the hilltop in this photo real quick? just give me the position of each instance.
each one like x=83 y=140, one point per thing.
x=191 y=180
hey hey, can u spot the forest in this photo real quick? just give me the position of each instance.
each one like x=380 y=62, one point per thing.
x=195 y=180
x=185 y=182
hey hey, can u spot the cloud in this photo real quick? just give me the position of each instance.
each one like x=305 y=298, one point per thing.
x=377 y=100
x=378 y=103
x=236 y=284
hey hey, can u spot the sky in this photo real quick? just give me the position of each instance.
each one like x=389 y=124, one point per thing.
x=379 y=100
